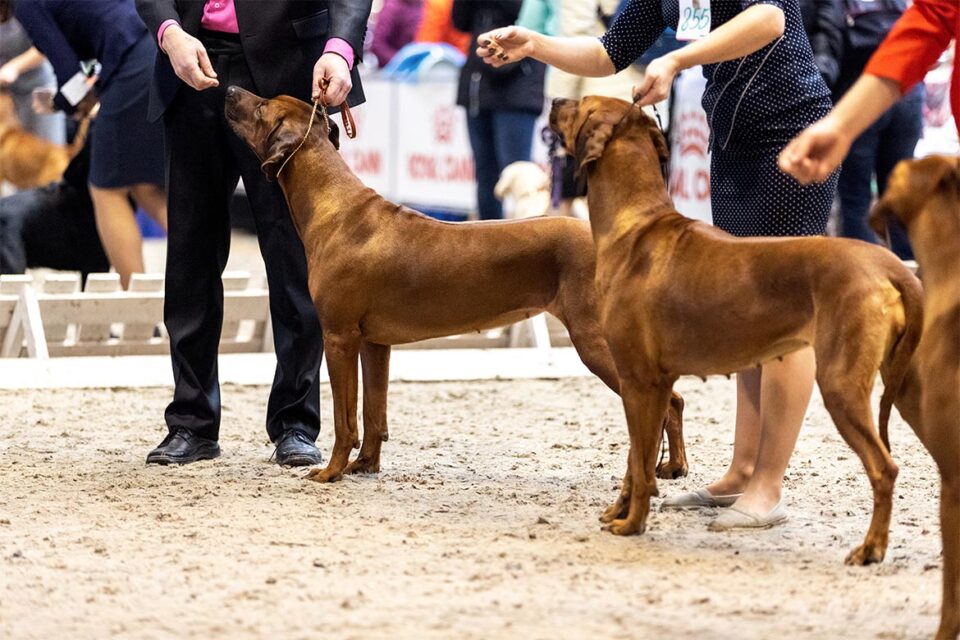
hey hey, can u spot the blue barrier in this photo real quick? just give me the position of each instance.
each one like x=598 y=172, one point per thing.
x=417 y=60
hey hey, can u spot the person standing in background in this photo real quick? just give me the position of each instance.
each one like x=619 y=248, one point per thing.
x=303 y=48
x=23 y=69
x=437 y=26
x=823 y=22
x=126 y=151
x=396 y=25
x=502 y=104
x=889 y=140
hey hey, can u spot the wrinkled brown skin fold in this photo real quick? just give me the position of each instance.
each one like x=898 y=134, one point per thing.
x=925 y=195
x=381 y=274
x=679 y=297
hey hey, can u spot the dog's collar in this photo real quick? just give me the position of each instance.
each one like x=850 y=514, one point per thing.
x=349 y=125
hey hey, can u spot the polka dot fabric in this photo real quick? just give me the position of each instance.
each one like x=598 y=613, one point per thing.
x=755 y=105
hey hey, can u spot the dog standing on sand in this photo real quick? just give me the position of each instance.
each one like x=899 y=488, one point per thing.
x=679 y=297
x=925 y=195
x=381 y=274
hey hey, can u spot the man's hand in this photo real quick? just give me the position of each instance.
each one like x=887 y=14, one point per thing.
x=189 y=58
x=657 y=80
x=505 y=45
x=816 y=152
x=331 y=79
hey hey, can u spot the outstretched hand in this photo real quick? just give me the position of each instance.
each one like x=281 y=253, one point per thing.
x=816 y=152
x=505 y=45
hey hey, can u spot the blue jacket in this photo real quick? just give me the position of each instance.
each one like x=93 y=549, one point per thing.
x=67 y=31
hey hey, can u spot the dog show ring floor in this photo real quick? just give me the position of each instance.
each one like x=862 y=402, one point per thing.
x=481 y=524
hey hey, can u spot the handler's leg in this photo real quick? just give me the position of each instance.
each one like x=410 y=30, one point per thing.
x=785 y=390
x=293 y=411
x=202 y=176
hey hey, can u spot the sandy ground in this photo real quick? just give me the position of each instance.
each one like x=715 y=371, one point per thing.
x=482 y=524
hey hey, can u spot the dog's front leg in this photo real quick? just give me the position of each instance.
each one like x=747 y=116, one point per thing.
x=644 y=402
x=621 y=505
x=342 y=350
x=375 y=362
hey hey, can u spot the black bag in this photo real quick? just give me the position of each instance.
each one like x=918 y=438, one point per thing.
x=869 y=21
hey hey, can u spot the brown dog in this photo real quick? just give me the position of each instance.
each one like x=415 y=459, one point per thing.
x=925 y=195
x=27 y=161
x=681 y=297
x=381 y=274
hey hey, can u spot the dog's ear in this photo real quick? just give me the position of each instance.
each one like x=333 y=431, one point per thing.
x=594 y=129
x=281 y=148
x=334 y=135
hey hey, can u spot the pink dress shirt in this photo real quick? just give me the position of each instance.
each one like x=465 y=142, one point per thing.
x=221 y=15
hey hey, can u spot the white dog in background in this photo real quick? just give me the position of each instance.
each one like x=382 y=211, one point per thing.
x=524 y=189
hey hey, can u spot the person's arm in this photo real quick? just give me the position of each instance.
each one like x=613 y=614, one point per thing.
x=46 y=35
x=908 y=52
x=348 y=24
x=16 y=67
x=632 y=33
x=188 y=57
x=749 y=31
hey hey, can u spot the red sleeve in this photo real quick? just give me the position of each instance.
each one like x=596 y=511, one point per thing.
x=915 y=42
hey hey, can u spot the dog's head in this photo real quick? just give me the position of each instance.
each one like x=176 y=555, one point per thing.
x=273 y=129
x=911 y=186
x=587 y=126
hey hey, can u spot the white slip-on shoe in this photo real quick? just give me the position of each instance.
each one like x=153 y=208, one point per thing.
x=734 y=518
x=698 y=499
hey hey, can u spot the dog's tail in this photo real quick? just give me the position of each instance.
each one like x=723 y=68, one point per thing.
x=897 y=363
x=80 y=138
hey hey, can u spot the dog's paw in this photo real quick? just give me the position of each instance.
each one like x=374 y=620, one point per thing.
x=623 y=527
x=616 y=511
x=324 y=475
x=672 y=471
x=361 y=465
x=865 y=554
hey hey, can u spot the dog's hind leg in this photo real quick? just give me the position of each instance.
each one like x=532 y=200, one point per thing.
x=847 y=399
x=342 y=353
x=375 y=364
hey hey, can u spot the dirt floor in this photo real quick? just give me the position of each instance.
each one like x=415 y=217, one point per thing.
x=482 y=524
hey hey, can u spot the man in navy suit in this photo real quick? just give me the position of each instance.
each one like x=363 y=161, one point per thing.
x=270 y=48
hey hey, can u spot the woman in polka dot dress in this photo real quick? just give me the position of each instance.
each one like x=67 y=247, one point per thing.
x=763 y=88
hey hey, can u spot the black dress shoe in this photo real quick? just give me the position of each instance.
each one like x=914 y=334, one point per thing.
x=295 y=449
x=182 y=446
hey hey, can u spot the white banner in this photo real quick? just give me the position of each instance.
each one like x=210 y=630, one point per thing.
x=371 y=155
x=434 y=160
x=689 y=154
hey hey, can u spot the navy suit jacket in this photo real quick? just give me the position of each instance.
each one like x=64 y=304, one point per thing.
x=282 y=40
x=68 y=31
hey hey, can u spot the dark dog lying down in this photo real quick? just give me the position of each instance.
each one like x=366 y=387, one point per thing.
x=381 y=274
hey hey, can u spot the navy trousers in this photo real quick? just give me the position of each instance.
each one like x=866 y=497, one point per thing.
x=498 y=138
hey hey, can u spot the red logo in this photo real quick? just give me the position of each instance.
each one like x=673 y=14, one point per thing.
x=443 y=119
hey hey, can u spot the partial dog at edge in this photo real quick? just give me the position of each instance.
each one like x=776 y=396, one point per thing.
x=381 y=274
x=679 y=297
x=524 y=189
x=28 y=161
x=925 y=195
